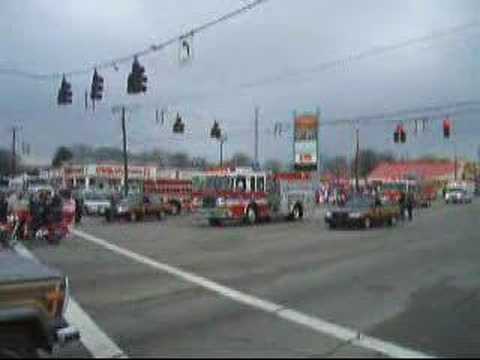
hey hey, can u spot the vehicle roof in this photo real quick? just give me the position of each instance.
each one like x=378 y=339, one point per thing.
x=15 y=268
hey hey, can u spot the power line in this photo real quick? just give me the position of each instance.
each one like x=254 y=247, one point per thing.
x=152 y=49
x=375 y=51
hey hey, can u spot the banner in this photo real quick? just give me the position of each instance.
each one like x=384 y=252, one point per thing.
x=306 y=142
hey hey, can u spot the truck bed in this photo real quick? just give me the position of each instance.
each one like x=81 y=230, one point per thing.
x=15 y=268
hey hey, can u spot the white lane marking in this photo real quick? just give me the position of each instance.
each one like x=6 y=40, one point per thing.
x=299 y=318
x=92 y=337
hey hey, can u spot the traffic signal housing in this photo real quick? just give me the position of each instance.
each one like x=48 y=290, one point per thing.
x=137 y=80
x=96 y=91
x=447 y=127
x=216 y=132
x=178 y=126
x=403 y=136
x=400 y=135
x=65 y=93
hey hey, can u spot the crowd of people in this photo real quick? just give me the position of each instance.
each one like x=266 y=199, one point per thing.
x=39 y=210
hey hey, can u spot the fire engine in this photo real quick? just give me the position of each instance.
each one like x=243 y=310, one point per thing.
x=244 y=194
x=176 y=194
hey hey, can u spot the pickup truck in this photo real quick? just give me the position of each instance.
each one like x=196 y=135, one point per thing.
x=33 y=300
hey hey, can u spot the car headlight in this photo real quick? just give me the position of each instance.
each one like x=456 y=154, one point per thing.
x=355 y=215
x=221 y=201
x=328 y=214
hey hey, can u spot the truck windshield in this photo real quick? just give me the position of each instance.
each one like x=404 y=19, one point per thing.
x=218 y=183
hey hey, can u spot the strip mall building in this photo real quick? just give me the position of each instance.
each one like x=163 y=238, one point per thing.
x=110 y=177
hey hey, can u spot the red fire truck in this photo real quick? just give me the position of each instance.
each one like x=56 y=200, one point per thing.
x=176 y=194
x=243 y=194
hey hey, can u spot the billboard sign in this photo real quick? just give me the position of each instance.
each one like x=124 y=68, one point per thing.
x=306 y=142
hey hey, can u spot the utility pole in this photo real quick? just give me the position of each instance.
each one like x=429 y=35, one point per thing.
x=455 y=160
x=256 y=135
x=125 y=154
x=13 y=165
x=222 y=140
x=357 y=156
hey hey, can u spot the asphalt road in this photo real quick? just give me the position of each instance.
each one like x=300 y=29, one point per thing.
x=416 y=285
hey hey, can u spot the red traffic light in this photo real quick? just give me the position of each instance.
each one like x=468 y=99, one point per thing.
x=447 y=127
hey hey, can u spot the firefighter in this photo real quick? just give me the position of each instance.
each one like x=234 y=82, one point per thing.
x=402 y=202
x=409 y=204
x=3 y=208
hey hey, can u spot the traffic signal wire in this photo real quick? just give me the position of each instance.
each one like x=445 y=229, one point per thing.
x=113 y=63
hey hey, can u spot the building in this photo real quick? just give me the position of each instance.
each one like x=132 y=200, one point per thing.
x=423 y=170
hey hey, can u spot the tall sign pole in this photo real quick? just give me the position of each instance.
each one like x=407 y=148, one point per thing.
x=256 y=135
x=357 y=156
x=317 y=139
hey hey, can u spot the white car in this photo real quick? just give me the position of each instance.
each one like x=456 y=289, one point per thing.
x=96 y=204
x=458 y=196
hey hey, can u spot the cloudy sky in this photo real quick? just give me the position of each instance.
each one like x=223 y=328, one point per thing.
x=274 y=39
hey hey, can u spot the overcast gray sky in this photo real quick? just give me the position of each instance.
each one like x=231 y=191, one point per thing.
x=277 y=37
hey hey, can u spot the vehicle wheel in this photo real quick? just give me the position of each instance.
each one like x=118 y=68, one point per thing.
x=214 y=222
x=367 y=223
x=133 y=217
x=296 y=213
x=251 y=217
x=332 y=226
x=176 y=208
x=392 y=221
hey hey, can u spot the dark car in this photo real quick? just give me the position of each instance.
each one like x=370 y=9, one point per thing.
x=137 y=207
x=363 y=212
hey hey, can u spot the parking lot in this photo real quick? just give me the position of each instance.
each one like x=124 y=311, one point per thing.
x=178 y=287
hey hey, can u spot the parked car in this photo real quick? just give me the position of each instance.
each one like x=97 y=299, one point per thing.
x=363 y=212
x=95 y=203
x=33 y=302
x=137 y=207
x=458 y=196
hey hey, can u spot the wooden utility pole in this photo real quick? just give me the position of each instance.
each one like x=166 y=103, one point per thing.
x=125 y=153
x=357 y=157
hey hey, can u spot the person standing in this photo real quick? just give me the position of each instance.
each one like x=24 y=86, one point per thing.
x=402 y=203
x=410 y=202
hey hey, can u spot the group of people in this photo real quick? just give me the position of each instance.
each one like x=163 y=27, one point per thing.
x=38 y=210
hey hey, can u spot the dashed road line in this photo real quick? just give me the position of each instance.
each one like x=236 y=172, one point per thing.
x=95 y=340
x=313 y=323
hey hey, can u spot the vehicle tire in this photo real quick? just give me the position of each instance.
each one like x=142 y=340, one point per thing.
x=133 y=217
x=392 y=221
x=176 y=208
x=251 y=216
x=297 y=213
x=214 y=222
x=332 y=226
x=367 y=223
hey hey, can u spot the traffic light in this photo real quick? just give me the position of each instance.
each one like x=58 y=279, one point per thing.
x=96 y=92
x=396 y=136
x=137 y=80
x=447 y=126
x=178 y=126
x=65 y=93
x=400 y=135
x=403 y=135
x=216 y=132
